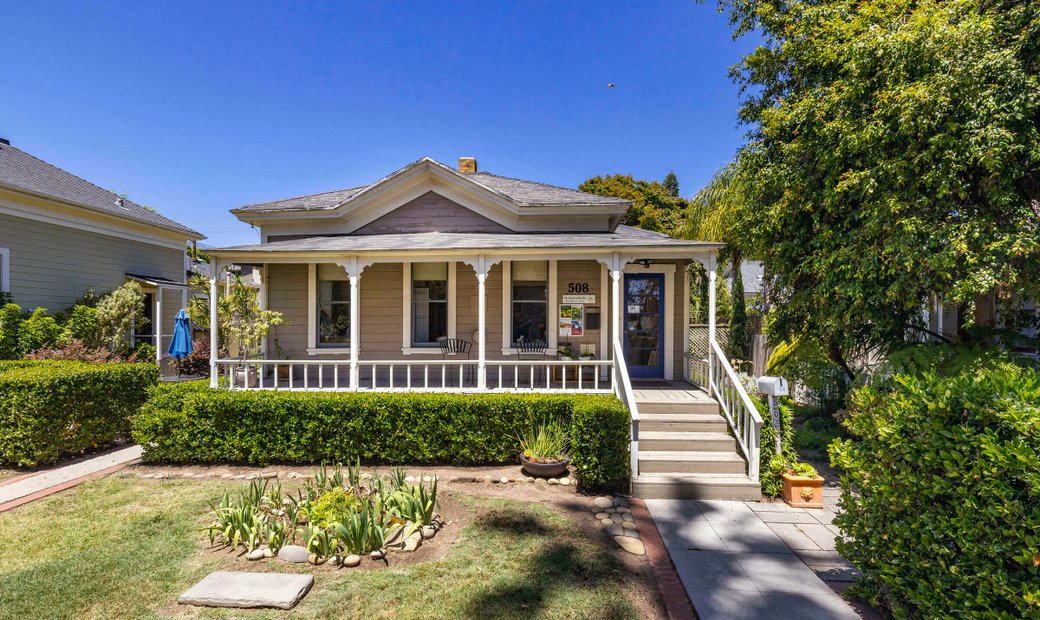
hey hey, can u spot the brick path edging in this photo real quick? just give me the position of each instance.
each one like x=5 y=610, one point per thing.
x=68 y=484
x=676 y=602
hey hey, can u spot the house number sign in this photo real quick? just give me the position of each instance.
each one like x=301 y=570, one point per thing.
x=578 y=293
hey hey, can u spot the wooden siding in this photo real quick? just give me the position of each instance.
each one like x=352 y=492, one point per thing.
x=287 y=293
x=580 y=272
x=431 y=212
x=52 y=265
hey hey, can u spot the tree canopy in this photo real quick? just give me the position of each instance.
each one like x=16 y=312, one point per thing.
x=654 y=205
x=893 y=156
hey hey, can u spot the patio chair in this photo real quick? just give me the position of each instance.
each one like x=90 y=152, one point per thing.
x=532 y=349
x=457 y=347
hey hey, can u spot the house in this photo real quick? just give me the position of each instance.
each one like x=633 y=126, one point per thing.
x=61 y=235
x=437 y=278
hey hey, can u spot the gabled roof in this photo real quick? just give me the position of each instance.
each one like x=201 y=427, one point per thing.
x=517 y=191
x=21 y=171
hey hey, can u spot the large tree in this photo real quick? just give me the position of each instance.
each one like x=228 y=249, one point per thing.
x=654 y=205
x=893 y=157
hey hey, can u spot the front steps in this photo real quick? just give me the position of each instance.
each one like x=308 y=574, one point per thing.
x=685 y=449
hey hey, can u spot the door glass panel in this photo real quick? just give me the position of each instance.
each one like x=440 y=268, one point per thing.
x=643 y=321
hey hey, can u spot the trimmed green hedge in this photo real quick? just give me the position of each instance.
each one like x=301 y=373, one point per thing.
x=941 y=493
x=189 y=422
x=52 y=408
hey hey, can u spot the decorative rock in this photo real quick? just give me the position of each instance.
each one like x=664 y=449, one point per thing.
x=409 y=478
x=615 y=530
x=623 y=510
x=256 y=554
x=539 y=480
x=238 y=477
x=603 y=502
x=530 y=480
x=293 y=475
x=503 y=480
x=487 y=478
x=553 y=482
x=498 y=480
x=253 y=477
x=428 y=532
x=627 y=516
x=631 y=545
x=412 y=543
x=315 y=559
x=378 y=554
x=565 y=482
x=628 y=525
x=148 y=476
x=621 y=502
x=293 y=553
x=351 y=560
x=225 y=476
x=464 y=479
x=606 y=521
x=602 y=515
x=430 y=479
x=268 y=552
x=632 y=533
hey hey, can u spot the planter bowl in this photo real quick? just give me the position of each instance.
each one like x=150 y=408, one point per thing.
x=803 y=491
x=543 y=470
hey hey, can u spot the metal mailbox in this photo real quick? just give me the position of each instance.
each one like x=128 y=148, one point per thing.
x=772 y=386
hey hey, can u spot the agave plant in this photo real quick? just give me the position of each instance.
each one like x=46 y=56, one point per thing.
x=362 y=532
x=544 y=443
x=320 y=541
x=237 y=525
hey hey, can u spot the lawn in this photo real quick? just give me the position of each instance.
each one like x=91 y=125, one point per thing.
x=125 y=548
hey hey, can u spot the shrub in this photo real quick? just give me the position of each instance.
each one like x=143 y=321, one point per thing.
x=38 y=331
x=771 y=466
x=51 y=408
x=82 y=326
x=941 y=493
x=189 y=422
x=196 y=363
x=118 y=313
x=10 y=329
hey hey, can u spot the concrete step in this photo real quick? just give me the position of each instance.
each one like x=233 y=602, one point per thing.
x=677 y=406
x=668 y=462
x=696 y=486
x=691 y=422
x=681 y=441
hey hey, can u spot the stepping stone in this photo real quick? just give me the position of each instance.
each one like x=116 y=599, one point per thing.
x=227 y=589
x=631 y=545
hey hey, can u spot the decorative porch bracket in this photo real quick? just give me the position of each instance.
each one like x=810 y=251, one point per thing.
x=482 y=266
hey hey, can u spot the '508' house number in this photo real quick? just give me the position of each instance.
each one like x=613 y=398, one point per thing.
x=578 y=293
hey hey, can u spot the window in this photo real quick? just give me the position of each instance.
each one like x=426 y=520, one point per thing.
x=429 y=303
x=530 y=290
x=333 y=306
x=5 y=270
x=145 y=334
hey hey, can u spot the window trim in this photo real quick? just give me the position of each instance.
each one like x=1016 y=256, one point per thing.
x=317 y=303
x=407 y=348
x=312 y=316
x=552 y=308
x=5 y=270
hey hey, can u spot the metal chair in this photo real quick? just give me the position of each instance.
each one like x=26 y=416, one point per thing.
x=458 y=347
x=531 y=347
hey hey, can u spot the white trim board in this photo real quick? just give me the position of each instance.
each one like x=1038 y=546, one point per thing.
x=407 y=348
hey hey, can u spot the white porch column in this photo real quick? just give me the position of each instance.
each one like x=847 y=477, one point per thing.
x=616 y=269
x=213 y=344
x=261 y=275
x=712 y=263
x=354 y=273
x=158 y=324
x=482 y=272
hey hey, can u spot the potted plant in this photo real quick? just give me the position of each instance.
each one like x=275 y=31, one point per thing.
x=544 y=449
x=283 y=369
x=803 y=486
x=246 y=325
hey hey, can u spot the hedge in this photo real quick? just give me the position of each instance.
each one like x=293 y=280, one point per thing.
x=48 y=409
x=190 y=422
x=941 y=493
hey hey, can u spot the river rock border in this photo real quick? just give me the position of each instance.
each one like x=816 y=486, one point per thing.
x=614 y=515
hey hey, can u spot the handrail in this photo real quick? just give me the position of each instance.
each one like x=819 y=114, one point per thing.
x=738 y=408
x=623 y=390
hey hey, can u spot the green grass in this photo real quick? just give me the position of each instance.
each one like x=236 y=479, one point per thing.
x=123 y=548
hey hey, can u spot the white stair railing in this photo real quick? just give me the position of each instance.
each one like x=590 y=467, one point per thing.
x=623 y=390
x=741 y=414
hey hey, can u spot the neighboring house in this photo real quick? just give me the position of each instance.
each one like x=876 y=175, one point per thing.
x=61 y=235
x=436 y=278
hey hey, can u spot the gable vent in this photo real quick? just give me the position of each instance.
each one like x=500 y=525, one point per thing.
x=467 y=164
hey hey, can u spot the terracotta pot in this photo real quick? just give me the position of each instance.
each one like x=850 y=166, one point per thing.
x=544 y=470
x=803 y=491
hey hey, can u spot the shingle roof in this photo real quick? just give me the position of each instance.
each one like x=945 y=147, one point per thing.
x=623 y=237
x=520 y=192
x=21 y=170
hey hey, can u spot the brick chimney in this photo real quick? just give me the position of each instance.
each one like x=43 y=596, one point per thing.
x=467 y=164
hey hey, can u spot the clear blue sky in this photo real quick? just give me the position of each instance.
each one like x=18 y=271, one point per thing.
x=198 y=107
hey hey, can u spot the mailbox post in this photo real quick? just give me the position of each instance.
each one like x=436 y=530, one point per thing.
x=772 y=387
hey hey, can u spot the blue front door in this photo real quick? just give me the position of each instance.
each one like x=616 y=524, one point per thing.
x=644 y=325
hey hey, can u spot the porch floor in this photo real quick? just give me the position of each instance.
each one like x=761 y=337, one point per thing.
x=670 y=392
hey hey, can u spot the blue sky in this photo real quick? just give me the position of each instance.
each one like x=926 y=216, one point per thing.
x=198 y=107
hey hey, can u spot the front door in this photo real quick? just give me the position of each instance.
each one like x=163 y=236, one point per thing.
x=644 y=325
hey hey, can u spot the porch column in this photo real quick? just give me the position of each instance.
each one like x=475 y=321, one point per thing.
x=355 y=314
x=482 y=271
x=213 y=345
x=158 y=324
x=616 y=269
x=712 y=262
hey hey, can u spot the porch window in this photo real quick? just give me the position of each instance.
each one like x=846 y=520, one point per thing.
x=333 y=306
x=429 y=303
x=530 y=290
x=145 y=334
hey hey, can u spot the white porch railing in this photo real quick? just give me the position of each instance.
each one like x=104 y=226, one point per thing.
x=716 y=375
x=585 y=376
x=623 y=390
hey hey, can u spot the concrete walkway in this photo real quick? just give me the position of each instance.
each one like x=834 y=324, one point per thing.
x=24 y=489
x=744 y=559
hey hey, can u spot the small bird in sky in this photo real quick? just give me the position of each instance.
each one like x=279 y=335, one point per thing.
x=610 y=85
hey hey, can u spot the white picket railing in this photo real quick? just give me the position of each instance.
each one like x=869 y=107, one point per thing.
x=716 y=375
x=586 y=376
x=623 y=390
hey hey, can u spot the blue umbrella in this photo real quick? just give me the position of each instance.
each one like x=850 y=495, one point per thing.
x=180 y=344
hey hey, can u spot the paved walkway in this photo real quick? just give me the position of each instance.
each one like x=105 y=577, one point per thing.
x=754 y=559
x=24 y=489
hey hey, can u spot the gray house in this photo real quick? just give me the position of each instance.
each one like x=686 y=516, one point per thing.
x=61 y=235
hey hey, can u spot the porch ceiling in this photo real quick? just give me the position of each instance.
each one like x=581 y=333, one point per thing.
x=624 y=238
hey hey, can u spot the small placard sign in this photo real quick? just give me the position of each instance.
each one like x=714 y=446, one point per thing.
x=579 y=299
